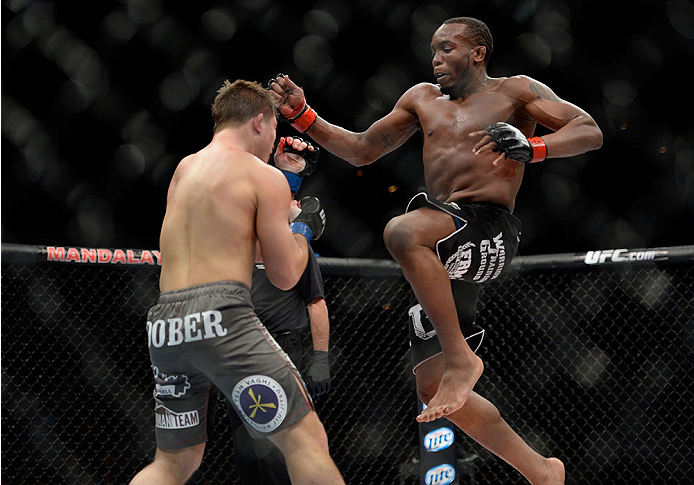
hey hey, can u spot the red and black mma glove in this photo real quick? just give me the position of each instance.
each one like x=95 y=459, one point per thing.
x=310 y=156
x=511 y=141
x=295 y=109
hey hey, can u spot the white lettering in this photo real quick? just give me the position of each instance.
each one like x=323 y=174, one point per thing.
x=484 y=250
x=604 y=255
x=190 y=322
x=443 y=474
x=591 y=257
x=618 y=256
x=190 y=328
x=175 y=331
x=494 y=254
x=416 y=313
x=458 y=264
x=158 y=333
x=211 y=322
x=170 y=420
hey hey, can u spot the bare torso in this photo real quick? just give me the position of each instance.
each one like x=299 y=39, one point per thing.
x=452 y=171
x=208 y=233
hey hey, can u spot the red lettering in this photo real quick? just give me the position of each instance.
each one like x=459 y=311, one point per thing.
x=146 y=257
x=104 y=255
x=131 y=256
x=88 y=255
x=72 y=255
x=56 y=254
x=118 y=256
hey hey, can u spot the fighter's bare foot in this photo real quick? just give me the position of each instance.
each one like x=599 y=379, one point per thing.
x=454 y=389
x=554 y=473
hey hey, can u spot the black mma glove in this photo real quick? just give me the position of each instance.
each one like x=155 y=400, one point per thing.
x=310 y=222
x=310 y=157
x=293 y=107
x=318 y=374
x=511 y=141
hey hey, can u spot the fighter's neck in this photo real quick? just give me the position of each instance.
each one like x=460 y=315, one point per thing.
x=477 y=84
x=233 y=139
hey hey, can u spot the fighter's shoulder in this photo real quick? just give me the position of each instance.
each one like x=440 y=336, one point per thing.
x=267 y=175
x=420 y=92
x=181 y=168
x=239 y=166
x=525 y=87
x=425 y=89
x=186 y=161
x=520 y=82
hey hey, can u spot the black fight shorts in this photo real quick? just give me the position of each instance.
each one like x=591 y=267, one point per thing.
x=209 y=335
x=478 y=251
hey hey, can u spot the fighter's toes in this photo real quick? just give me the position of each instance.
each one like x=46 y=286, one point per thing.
x=431 y=413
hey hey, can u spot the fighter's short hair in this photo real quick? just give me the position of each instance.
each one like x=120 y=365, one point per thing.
x=240 y=101
x=476 y=32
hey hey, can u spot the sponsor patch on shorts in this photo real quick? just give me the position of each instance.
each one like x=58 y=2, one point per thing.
x=166 y=385
x=262 y=401
x=167 y=419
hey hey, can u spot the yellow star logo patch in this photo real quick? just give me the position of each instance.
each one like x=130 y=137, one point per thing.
x=257 y=404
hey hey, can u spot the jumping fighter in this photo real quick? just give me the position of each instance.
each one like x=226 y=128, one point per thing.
x=477 y=136
x=203 y=331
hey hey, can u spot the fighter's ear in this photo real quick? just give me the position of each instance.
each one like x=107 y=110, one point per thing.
x=479 y=53
x=257 y=122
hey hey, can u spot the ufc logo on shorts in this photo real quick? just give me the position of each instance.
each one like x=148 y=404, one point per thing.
x=190 y=328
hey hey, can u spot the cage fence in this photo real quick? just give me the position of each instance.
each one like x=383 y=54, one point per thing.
x=588 y=360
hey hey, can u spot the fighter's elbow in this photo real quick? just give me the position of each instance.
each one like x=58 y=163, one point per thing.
x=361 y=161
x=284 y=283
x=590 y=133
x=284 y=280
x=596 y=138
x=285 y=286
x=364 y=151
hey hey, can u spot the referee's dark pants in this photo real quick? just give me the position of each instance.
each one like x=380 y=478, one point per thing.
x=258 y=461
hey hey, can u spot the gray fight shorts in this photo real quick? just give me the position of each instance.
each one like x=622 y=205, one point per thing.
x=480 y=250
x=209 y=335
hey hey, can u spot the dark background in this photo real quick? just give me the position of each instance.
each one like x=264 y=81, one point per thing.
x=100 y=100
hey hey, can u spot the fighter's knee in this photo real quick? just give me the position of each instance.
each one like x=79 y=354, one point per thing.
x=398 y=235
x=171 y=466
x=195 y=461
x=184 y=462
x=307 y=432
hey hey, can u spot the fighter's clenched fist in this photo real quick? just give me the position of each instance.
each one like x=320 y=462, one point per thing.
x=292 y=102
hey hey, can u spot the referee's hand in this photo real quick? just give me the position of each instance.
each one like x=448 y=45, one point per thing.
x=318 y=375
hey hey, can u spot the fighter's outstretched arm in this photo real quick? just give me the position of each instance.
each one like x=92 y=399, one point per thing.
x=382 y=137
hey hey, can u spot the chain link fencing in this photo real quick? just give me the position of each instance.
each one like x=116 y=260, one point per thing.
x=591 y=363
